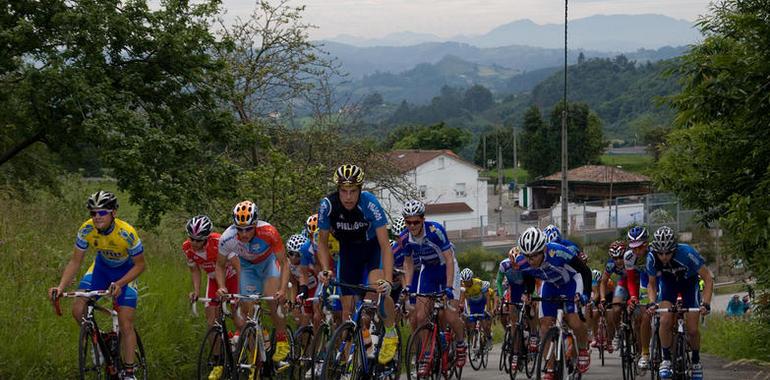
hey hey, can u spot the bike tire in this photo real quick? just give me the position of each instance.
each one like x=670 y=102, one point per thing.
x=320 y=342
x=247 y=355
x=602 y=338
x=627 y=354
x=656 y=356
x=211 y=353
x=338 y=351
x=140 y=360
x=552 y=337
x=474 y=349
x=302 y=362
x=503 y=362
x=515 y=349
x=681 y=363
x=421 y=341
x=530 y=361
x=90 y=364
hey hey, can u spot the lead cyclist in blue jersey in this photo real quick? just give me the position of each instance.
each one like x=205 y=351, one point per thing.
x=562 y=274
x=677 y=267
x=356 y=219
x=553 y=235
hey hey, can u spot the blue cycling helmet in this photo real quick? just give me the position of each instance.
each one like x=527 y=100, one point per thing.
x=637 y=236
x=552 y=233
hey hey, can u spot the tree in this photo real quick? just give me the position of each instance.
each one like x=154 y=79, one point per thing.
x=477 y=98
x=541 y=142
x=118 y=76
x=437 y=136
x=717 y=158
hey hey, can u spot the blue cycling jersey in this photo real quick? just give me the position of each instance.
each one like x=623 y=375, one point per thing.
x=569 y=244
x=684 y=265
x=555 y=268
x=398 y=254
x=351 y=226
x=512 y=273
x=611 y=268
x=307 y=253
x=426 y=249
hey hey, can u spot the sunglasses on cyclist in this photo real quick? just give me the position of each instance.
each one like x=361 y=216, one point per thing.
x=198 y=240
x=533 y=255
x=666 y=253
x=244 y=229
x=292 y=253
x=412 y=222
x=100 y=212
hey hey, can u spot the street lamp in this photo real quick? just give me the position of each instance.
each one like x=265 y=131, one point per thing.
x=612 y=180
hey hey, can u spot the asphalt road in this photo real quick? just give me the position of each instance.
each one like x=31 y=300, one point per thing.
x=714 y=369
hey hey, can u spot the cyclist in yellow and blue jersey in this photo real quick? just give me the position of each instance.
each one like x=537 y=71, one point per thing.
x=119 y=261
x=475 y=297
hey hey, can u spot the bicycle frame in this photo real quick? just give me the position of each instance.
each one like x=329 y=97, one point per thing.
x=563 y=332
x=679 y=337
x=255 y=321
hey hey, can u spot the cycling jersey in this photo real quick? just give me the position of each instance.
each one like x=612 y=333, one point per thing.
x=399 y=253
x=351 y=226
x=207 y=258
x=475 y=292
x=428 y=248
x=635 y=269
x=679 y=276
x=569 y=244
x=509 y=272
x=263 y=245
x=114 y=247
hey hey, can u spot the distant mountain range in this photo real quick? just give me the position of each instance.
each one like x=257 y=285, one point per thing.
x=611 y=33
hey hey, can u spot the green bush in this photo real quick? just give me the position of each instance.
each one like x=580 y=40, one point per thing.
x=736 y=338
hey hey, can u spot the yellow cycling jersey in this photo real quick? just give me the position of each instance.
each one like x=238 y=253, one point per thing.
x=114 y=247
x=334 y=244
x=475 y=291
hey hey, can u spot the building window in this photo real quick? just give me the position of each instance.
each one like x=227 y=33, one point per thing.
x=460 y=190
x=441 y=162
x=423 y=191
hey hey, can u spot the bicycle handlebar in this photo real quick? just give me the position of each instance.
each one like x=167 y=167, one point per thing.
x=678 y=310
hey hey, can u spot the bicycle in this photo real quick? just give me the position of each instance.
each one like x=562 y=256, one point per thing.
x=681 y=365
x=98 y=350
x=432 y=347
x=478 y=346
x=627 y=343
x=347 y=356
x=216 y=349
x=253 y=359
x=561 y=342
x=505 y=349
x=310 y=359
x=601 y=335
x=518 y=344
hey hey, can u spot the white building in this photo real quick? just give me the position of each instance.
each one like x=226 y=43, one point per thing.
x=454 y=193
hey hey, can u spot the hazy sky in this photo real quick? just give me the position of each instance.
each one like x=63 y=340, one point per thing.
x=446 y=18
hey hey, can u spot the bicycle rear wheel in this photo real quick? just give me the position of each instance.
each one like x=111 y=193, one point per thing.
x=90 y=358
x=140 y=361
x=303 y=360
x=601 y=337
x=548 y=354
x=248 y=361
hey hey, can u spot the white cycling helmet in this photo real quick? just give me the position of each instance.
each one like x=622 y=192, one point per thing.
x=466 y=274
x=397 y=225
x=295 y=242
x=413 y=207
x=532 y=241
x=596 y=275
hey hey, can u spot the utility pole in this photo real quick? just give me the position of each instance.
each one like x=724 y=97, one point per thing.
x=484 y=149
x=515 y=162
x=500 y=184
x=564 y=187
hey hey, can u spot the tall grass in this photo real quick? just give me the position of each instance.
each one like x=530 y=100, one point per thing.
x=736 y=338
x=37 y=241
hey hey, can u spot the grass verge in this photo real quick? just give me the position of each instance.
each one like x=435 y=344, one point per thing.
x=736 y=338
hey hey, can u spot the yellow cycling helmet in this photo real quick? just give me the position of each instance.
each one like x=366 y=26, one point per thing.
x=349 y=175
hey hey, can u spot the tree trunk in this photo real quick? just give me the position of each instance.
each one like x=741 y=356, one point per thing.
x=10 y=153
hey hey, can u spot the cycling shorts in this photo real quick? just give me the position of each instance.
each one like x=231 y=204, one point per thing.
x=514 y=293
x=549 y=290
x=231 y=283
x=432 y=279
x=99 y=277
x=357 y=260
x=253 y=276
x=688 y=288
x=477 y=307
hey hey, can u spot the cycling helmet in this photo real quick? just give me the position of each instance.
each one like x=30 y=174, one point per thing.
x=397 y=225
x=596 y=275
x=312 y=223
x=664 y=240
x=392 y=242
x=617 y=249
x=532 y=241
x=295 y=242
x=637 y=236
x=199 y=227
x=513 y=252
x=466 y=274
x=485 y=285
x=552 y=233
x=245 y=213
x=413 y=207
x=102 y=200
x=349 y=175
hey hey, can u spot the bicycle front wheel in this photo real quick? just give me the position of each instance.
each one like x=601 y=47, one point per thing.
x=341 y=354
x=548 y=359
x=475 y=350
x=320 y=342
x=90 y=358
x=303 y=362
x=140 y=361
x=504 y=352
x=212 y=354
x=248 y=363
x=423 y=354
x=627 y=354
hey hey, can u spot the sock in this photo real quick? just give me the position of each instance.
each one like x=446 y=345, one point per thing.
x=666 y=353
x=695 y=356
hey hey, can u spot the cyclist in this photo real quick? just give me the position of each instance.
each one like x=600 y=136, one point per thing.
x=425 y=242
x=562 y=274
x=591 y=310
x=311 y=226
x=264 y=266
x=636 y=284
x=356 y=219
x=615 y=266
x=397 y=226
x=119 y=261
x=553 y=235
x=302 y=272
x=677 y=266
x=512 y=284
x=475 y=297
